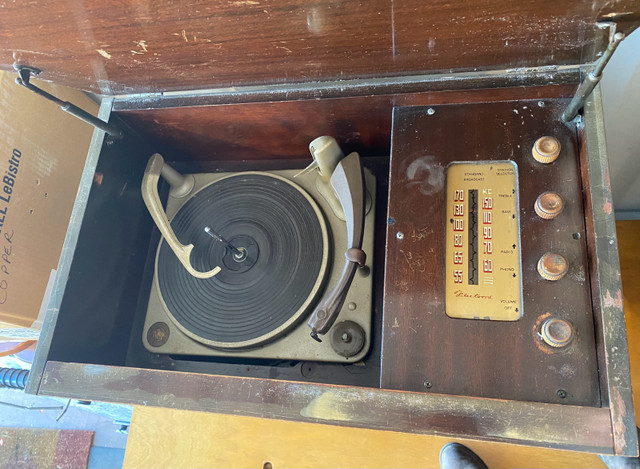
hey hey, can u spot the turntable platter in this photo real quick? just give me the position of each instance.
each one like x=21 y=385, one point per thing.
x=261 y=295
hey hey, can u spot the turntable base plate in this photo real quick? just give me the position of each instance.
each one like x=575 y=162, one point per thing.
x=294 y=342
x=258 y=297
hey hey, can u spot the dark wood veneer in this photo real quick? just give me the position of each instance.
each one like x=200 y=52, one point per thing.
x=118 y=47
x=284 y=129
x=471 y=357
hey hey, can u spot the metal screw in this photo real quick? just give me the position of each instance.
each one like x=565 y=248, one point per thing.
x=352 y=306
x=561 y=393
x=427 y=384
x=400 y=235
x=431 y=111
x=541 y=104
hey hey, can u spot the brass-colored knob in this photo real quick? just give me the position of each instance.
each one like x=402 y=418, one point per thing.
x=556 y=332
x=549 y=205
x=546 y=149
x=552 y=266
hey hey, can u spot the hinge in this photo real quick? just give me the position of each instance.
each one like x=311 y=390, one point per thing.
x=24 y=79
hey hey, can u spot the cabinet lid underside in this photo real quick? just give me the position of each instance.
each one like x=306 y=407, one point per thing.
x=139 y=46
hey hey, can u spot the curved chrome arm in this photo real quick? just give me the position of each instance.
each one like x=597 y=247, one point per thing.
x=348 y=182
x=152 y=201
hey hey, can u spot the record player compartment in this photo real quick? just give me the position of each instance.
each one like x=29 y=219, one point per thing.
x=102 y=315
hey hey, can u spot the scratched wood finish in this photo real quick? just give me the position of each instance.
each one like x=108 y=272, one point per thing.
x=484 y=358
x=605 y=271
x=116 y=47
x=531 y=423
x=284 y=129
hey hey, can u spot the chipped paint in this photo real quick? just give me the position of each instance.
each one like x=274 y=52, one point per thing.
x=619 y=428
x=103 y=53
x=98 y=178
x=566 y=371
x=427 y=173
x=607 y=207
x=327 y=406
x=142 y=44
x=93 y=370
x=611 y=302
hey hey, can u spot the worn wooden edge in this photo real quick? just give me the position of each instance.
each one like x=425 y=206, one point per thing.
x=67 y=253
x=555 y=426
x=576 y=428
x=606 y=280
x=527 y=76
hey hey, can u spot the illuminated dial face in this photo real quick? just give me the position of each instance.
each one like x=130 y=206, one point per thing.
x=483 y=268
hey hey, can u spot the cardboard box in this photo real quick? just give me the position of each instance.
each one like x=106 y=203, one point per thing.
x=42 y=155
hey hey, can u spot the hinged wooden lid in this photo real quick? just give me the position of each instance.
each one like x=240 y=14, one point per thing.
x=116 y=47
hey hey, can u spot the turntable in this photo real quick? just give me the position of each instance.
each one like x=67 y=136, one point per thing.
x=249 y=256
x=497 y=311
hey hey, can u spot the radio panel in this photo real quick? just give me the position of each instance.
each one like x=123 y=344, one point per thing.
x=486 y=221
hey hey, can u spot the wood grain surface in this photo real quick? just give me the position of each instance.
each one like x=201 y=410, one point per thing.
x=181 y=439
x=497 y=359
x=117 y=47
x=629 y=248
x=164 y=438
x=284 y=129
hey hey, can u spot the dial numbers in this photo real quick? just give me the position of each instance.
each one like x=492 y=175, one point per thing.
x=483 y=268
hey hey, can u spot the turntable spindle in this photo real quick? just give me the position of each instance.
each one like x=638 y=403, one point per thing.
x=238 y=254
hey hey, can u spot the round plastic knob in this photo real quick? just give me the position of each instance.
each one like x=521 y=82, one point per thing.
x=549 y=205
x=552 y=266
x=546 y=149
x=556 y=332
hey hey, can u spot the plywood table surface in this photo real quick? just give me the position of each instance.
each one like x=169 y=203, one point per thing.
x=185 y=439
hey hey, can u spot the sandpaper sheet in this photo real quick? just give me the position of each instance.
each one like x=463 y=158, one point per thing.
x=27 y=448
